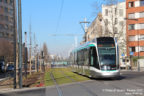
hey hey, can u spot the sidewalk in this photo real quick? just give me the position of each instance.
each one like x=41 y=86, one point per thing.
x=134 y=69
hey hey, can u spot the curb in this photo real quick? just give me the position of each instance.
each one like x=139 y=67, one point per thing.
x=37 y=88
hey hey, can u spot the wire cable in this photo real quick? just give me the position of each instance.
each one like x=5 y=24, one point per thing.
x=59 y=18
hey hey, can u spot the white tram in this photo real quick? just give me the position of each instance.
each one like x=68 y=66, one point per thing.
x=98 y=58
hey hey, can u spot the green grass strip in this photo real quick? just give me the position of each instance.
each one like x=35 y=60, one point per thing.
x=61 y=77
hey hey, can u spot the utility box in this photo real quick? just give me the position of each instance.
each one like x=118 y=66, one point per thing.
x=141 y=62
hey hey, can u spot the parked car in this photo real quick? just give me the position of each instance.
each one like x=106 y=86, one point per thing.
x=10 y=68
x=125 y=62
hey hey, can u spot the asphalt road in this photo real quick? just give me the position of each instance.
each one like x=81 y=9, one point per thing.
x=129 y=84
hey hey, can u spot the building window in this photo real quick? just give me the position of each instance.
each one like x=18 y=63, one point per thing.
x=115 y=30
x=141 y=37
x=6 y=10
x=1 y=17
x=121 y=12
x=142 y=48
x=1 y=26
x=141 y=2
x=131 y=16
x=115 y=11
x=131 y=27
x=6 y=26
x=6 y=18
x=106 y=12
x=116 y=20
x=1 y=7
x=132 y=49
x=141 y=14
x=1 y=34
x=106 y=21
x=141 y=26
x=5 y=1
x=131 y=38
x=11 y=28
x=131 y=4
x=11 y=2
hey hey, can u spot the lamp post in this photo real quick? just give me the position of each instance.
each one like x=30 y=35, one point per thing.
x=138 y=54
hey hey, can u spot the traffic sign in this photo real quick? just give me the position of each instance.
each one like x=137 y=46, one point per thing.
x=123 y=54
x=131 y=53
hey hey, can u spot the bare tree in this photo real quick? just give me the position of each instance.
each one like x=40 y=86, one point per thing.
x=45 y=51
x=115 y=28
x=110 y=24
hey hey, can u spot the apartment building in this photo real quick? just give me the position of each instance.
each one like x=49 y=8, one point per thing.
x=7 y=15
x=135 y=27
x=114 y=23
x=95 y=28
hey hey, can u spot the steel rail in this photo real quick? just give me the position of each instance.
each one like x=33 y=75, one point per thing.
x=84 y=87
x=56 y=85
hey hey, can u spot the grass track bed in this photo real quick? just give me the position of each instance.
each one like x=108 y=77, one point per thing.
x=61 y=76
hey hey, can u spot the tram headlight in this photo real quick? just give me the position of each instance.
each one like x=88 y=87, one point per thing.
x=108 y=68
x=105 y=67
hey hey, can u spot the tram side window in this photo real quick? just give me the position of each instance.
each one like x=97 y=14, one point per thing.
x=85 y=57
x=76 y=58
x=94 y=58
x=96 y=64
x=91 y=57
x=80 y=57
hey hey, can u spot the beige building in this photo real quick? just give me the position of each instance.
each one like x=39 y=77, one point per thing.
x=111 y=22
x=115 y=23
x=95 y=29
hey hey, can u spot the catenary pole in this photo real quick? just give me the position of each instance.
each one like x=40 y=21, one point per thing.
x=20 y=42
x=15 y=42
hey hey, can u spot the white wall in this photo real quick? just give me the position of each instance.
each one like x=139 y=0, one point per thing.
x=111 y=12
x=137 y=3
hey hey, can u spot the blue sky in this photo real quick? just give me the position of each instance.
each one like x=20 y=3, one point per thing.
x=44 y=15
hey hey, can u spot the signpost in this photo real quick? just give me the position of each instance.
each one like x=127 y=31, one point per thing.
x=131 y=62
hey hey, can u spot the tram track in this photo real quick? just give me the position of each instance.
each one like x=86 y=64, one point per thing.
x=108 y=84
x=78 y=83
x=99 y=81
x=60 y=93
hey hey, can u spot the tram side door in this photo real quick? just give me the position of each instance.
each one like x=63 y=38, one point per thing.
x=91 y=60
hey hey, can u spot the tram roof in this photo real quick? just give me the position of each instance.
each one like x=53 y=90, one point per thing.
x=91 y=43
x=84 y=46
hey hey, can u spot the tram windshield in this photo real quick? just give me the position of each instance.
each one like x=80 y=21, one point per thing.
x=107 y=56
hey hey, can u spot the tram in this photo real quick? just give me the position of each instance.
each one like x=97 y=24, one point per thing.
x=98 y=58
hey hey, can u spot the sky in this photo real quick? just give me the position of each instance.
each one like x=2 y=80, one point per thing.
x=48 y=17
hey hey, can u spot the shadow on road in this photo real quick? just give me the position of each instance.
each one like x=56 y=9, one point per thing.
x=2 y=95
x=109 y=79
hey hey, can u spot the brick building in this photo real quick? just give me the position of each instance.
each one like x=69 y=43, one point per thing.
x=135 y=27
x=7 y=15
